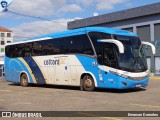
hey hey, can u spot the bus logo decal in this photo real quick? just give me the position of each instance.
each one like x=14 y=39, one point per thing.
x=59 y=61
x=51 y=62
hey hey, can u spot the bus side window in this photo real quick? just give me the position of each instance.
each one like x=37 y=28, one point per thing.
x=109 y=57
x=78 y=44
x=12 y=51
x=36 y=49
x=51 y=47
x=9 y=51
x=28 y=50
x=95 y=36
x=20 y=50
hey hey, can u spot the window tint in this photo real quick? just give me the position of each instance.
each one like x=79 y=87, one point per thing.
x=36 y=48
x=19 y=50
x=51 y=47
x=8 y=34
x=109 y=56
x=2 y=43
x=27 y=50
x=11 y=51
x=99 y=45
x=2 y=35
x=79 y=44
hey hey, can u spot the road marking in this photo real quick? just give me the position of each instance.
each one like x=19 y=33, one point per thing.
x=145 y=105
x=92 y=115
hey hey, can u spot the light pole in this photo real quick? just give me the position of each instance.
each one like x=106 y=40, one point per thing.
x=4 y=5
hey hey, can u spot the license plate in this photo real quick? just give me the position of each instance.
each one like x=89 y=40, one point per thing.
x=138 y=85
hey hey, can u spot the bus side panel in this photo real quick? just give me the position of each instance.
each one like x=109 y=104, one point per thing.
x=88 y=64
x=66 y=68
x=102 y=78
x=11 y=70
x=53 y=68
x=14 y=68
x=110 y=79
x=75 y=70
x=34 y=70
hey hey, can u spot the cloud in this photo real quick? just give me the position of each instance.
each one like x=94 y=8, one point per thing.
x=29 y=30
x=48 y=8
x=33 y=7
x=84 y=3
x=70 y=8
x=108 y=4
x=98 y=4
x=43 y=8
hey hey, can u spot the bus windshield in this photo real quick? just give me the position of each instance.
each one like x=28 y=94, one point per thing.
x=133 y=59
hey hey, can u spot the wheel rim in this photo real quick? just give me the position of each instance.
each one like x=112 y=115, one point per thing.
x=24 y=80
x=88 y=83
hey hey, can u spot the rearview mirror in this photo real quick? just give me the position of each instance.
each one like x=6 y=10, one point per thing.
x=118 y=43
x=151 y=45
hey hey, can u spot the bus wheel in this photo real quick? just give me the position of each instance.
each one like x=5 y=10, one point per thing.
x=88 y=83
x=24 y=80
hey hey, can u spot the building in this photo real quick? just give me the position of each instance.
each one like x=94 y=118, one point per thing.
x=145 y=21
x=1 y=64
x=6 y=36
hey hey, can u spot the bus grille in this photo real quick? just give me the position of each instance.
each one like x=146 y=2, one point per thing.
x=138 y=78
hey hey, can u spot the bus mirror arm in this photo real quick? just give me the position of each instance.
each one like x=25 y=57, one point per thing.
x=151 y=45
x=118 y=43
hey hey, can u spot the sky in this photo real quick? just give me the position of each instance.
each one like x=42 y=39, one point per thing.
x=49 y=16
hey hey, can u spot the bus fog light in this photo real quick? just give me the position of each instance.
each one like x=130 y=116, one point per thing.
x=124 y=83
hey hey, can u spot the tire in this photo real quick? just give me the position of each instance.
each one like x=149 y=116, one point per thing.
x=24 y=80
x=88 y=83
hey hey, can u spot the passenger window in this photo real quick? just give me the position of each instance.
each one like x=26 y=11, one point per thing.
x=19 y=51
x=51 y=47
x=109 y=57
x=28 y=50
x=36 y=49
x=79 y=44
x=95 y=36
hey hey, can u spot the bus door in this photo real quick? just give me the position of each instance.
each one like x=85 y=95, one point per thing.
x=61 y=73
x=51 y=74
x=110 y=66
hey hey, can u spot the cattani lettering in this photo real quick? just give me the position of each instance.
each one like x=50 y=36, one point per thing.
x=51 y=62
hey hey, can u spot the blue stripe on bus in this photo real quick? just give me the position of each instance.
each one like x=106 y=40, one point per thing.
x=87 y=65
x=36 y=70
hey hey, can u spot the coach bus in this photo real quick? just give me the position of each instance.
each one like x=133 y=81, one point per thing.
x=90 y=57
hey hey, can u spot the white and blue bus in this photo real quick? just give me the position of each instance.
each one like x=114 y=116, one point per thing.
x=91 y=57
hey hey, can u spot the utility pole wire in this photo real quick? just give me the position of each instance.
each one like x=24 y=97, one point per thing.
x=30 y=16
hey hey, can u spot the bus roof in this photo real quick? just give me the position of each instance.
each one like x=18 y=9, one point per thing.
x=78 y=32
